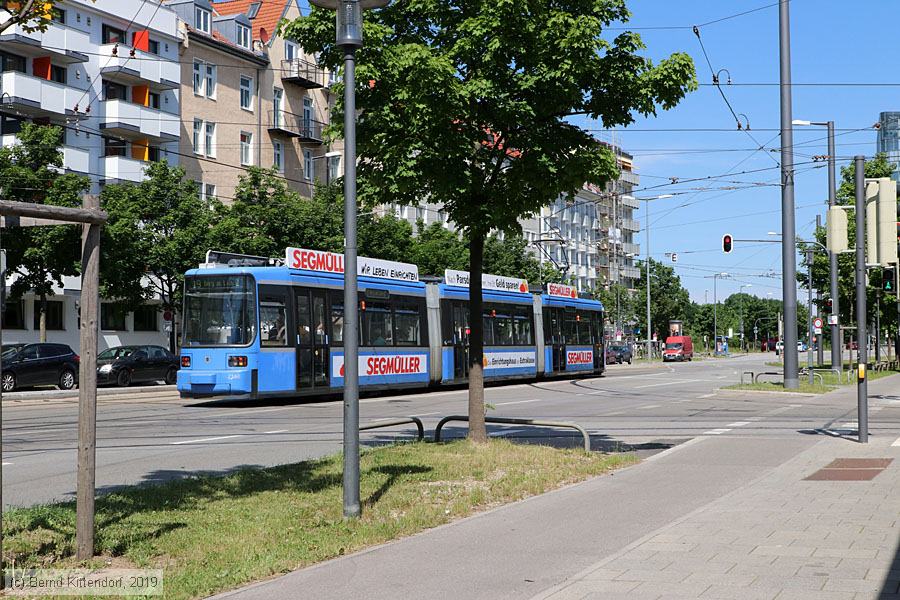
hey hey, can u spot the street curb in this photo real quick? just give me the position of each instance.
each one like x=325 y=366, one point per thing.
x=796 y=394
x=61 y=395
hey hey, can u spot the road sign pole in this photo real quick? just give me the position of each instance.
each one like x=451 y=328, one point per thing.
x=862 y=400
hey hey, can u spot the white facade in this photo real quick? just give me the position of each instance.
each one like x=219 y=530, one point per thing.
x=105 y=70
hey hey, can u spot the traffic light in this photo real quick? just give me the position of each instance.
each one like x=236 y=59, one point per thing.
x=888 y=280
x=727 y=243
x=829 y=305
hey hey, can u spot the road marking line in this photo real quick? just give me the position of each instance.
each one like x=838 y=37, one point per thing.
x=618 y=412
x=707 y=395
x=640 y=387
x=223 y=437
x=427 y=414
x=506 y=432
x=648 y=407
x=517 y=402
x=895 y=444
x=277 y=431
x=716 y=431
x=738 y=424
x=752 y=419
x=6 y=464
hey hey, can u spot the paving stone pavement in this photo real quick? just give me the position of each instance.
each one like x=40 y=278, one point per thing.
x=777 y=538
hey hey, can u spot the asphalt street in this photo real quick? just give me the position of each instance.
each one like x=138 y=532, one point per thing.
x=152 y=435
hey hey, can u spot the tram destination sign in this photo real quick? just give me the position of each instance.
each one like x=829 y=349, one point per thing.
x=488 y=282
x=331 y=262
x=558 y=290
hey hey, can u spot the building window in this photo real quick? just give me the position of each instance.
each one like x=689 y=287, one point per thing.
x=153 y=100
x=153 y=153
x=153 y=46
x=55 y=321
x=12 y=62
x=290 y=51
x=114 y=91
x=334 y=167
x=58 y=15
x=112 y=317
x=210 y=81
x=113 y=147
x=243 y=36
x=201 y=19
x=210 y=139
x=198 y=78
x=246 y=92
x=58 y=74
x=278 y=160
x=146 y=318
x=209 y=191
x=198 y=131
x=14 y=315
x=307 y=165
x=246 y=148
x=113 y=35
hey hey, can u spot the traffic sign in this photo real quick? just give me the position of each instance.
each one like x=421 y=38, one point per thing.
x=817 y=323
x=167 y=315
x=833 y=320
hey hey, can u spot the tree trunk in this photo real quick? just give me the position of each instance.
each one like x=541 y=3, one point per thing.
x=43 y=318
x=477 y=431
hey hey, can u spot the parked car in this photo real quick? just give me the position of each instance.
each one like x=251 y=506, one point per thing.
x=678 y=347
x=779 y=347
x=619 y=353
x=801 y=346
x=27 y=365
x=124 y=365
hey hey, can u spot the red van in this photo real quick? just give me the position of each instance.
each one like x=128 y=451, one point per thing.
x=678 y=347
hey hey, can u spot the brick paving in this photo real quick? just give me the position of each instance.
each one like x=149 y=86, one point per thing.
x=780 y=537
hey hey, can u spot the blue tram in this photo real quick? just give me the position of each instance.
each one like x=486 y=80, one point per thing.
x=255 y=329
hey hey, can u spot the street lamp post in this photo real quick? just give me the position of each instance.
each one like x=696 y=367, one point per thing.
x=349 y=34
x=649 y=336
x=715 y=279
x=741 y=301
x=836 y=341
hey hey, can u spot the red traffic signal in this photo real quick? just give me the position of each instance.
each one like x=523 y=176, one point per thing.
x=727 y=243
x=829 y=304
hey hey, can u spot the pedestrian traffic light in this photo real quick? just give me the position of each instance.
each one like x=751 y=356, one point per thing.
x=727 y=243
x=888 y=280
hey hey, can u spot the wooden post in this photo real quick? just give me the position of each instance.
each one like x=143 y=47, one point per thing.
x=87 y=377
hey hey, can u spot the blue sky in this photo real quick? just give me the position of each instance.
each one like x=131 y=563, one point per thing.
x=831 y=43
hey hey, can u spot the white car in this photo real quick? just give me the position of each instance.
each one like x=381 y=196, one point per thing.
x=779 y=347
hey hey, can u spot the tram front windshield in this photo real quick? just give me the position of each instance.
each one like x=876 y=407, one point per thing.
x=220 y=310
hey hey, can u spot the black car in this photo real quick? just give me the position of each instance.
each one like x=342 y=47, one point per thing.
x=618 y=353
x=26 y=365
x=124 y=365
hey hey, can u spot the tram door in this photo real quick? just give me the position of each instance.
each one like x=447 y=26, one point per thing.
x=312 y=339
x=553 y=335
x=461 y=333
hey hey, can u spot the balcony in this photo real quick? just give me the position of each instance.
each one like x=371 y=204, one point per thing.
x=304 y=74
x=629 y=177
x=630 y=273
x=63 y=44
x=629 y=248
x=307 y=131
x=75 y=160
x=121 y=168
x=630 y=225
x=135 y=121
x=630 y=201
x=35 y=97
x=125 y=65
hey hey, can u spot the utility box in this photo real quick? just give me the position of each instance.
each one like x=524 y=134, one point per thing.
x=837 y=226
x=887 y=221
x=872 y=221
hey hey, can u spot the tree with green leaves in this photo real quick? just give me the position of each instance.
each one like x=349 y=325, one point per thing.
x=157 y=230
x=669 y=300
x=469 y=105
x=438 y=249
x=31 y=171
x=509 y=256
x=32 y=15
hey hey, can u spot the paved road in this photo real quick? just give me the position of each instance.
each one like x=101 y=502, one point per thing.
x=154 y=436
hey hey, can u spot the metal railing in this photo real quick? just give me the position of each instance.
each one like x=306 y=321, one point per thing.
x=304 y=73
x=512 y=421
x=394 y=422
x=296 y=125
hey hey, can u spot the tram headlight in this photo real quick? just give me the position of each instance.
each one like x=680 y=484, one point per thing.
x=237 y=361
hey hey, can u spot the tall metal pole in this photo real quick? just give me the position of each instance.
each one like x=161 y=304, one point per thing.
x=715 y=315
x=837 y=361
x=649 y=343
x=351 y=314
x=862 y=401
x=820 y=345
x=809 y=317
x=788 y=232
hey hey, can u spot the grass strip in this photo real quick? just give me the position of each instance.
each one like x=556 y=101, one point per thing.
x=216 y=533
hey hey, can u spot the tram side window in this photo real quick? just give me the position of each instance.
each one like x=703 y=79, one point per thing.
x=337 y=323
x=406 y=325
x=552 y=326
x=583 y=320
x=571 y=328
x=522 y=323
x=488 y=320
x=503 y=327
x=379 y=325
x=272 y=319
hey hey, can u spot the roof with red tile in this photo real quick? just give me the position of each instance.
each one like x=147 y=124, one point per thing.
x=270 y=13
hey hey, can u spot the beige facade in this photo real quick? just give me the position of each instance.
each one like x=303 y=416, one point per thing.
x=268 y=107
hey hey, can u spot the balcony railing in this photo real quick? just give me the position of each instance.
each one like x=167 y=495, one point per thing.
x=303 y=73
x=630 y=225
x=136 y=120
x=306 y=130
x=121 y=168
x=65 y=44
x=134 y=67
x=34 y=96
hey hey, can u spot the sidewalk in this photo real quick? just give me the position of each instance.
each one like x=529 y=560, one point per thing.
x=717 y=517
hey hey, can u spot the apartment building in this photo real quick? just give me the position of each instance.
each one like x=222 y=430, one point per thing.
x=250 y=97
x=107 y=71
